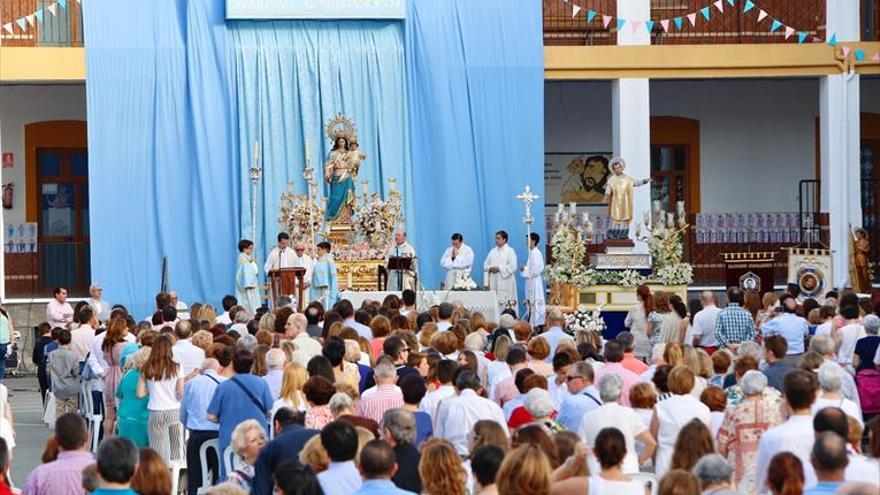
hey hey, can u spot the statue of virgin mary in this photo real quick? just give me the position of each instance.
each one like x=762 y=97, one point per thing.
x=341 y=169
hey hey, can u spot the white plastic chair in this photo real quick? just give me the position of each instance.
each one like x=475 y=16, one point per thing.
x=207 y=474
x=93 y=421
x=229 y=460
x=648 y=479
x=178 y=456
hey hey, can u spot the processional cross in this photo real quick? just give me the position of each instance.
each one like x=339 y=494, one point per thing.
x=527 y=197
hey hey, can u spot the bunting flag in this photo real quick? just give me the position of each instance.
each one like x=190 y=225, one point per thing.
x=30 y=19
x=731 y=2
x=846 y=51
x=591 y=15
x=39 y=15
x=51 y=8
x=678 y=23
x=720 y=5
x=62 y=3
x=692 y=18
x=761 y=15
x=833 y=40
x=606 y=20
x=575 y=10
x=665 y=24
x=649 y=25
x=8 y=28
x=776 y=25
x=860 y=55
x=748 y=6
x=21 y=24
x=801 y=37
x=876 y=57
x=706 y=12
x=620 y=23
x=788 y=32
x=635 y=25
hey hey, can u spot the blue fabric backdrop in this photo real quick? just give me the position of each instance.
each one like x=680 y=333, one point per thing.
x=162 y=174
x=292 y=78
x=475 y=75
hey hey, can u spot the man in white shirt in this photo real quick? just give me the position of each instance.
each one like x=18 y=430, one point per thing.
x=500 y=270
x=458 y=415
x=83 y=336
x=342 y=477
x=180 y=306
x=187 y=355
x=346 y=311
x=228 y=302
x=555 y=333
x=399 y=280
x=794 y=435
x=444 y=314
x=431 y=401
x=295 y=331
x=59 y=313
x=457 y=260
x=100 y=305
x=583 y=399
x=275 y=364
x=704 y=323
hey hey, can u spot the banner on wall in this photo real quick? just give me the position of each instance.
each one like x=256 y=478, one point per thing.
x=20 y=238
x=575 y=177
x=315 y=9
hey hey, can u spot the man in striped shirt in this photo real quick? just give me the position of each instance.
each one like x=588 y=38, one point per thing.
x=734 y=324
x=384 y=396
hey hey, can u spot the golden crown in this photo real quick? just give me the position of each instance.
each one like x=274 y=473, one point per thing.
x=341 y=126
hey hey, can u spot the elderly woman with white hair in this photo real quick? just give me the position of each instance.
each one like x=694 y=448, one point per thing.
x=539 y=404
x=830 y=380
x=866 y=347
x=824 y=345
x=248 y=440
x=715 y=475
x=275 y=361
x=613 y=415
x=743 y=426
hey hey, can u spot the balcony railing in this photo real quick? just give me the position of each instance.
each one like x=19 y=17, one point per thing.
x=41 y=23
x=731 y=26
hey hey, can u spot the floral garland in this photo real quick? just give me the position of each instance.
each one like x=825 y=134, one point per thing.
x=376 y=219
x=584 y=320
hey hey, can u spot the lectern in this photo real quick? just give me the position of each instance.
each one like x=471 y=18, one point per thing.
x=397 y=265
x=286 y=282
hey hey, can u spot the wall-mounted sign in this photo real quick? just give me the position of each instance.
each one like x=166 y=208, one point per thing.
x=315 y=9
x=8 y=160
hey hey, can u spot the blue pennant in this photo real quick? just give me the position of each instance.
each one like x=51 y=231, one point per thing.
x=776 y=25
x=39 y=15
x=620 y=23
x=62 y=3
x=650 y=25
x=677 y=22
x=730 y=2
x=21 y=24
x=802 y=37
x=833 y=40
x=860 y=55
x=749 y=6
x=705 y=12
x=590 y=16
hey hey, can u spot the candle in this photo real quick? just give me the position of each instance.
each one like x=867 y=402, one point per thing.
x=586 y=218
x=559 y=209
x=670 y=220
x=349 y=281
x=307 y=151
x=572 y=207
x=655 y=206
x=256 y=151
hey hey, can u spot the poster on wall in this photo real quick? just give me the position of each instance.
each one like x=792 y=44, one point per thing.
x=20 y=237
x=575 y=177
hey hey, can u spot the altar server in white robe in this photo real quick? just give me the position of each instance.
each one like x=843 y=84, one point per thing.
x=457 y=260
x=282 y=256
x=533 y=272
x=500 y=269
x=400 y=280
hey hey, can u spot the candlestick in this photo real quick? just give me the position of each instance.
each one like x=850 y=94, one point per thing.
x=586 y=218
x=670 y=220
x=572 y=208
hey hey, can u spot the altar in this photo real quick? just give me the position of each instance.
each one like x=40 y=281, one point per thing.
x=481 y=301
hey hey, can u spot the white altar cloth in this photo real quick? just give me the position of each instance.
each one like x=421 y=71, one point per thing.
x=482 y=301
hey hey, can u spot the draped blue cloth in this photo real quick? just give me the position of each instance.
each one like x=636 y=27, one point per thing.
x=292 y=78
x=475 y=73
x=163 y=176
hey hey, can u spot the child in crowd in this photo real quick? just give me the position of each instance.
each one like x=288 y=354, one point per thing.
x=64 y=371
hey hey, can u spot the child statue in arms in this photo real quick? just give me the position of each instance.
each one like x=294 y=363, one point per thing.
x=619 y=196
x=342 y=168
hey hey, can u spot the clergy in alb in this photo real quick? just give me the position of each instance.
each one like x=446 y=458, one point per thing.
x=282 y=256
x=457 y=260
x=619 y=196
x=247 y=289
x=533 y=272
x=400 y=280
x=325 y=286
x=500 y=269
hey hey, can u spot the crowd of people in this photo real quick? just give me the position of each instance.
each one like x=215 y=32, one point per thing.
x=771 y=396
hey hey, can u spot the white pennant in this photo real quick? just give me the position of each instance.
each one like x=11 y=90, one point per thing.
x=51 y=8
x=30 y=19
x=761 y=15
x=8 y=28
x=574 y=11
x=719 y=5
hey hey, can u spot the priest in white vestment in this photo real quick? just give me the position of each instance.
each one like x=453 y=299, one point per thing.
x=282 y=256
x=533 y=272
x=400 y=280
x=457 y=260
x=500 y=269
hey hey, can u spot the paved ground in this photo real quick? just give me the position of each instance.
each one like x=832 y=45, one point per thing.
x=30 y=431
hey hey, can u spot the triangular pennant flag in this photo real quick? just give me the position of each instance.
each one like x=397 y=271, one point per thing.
x=62 y=3
x=776 y=25
x=692 y=18
x=21 y=24
x=665 y=24
x=761 y=15
x=574 y=11
x=748 y=6
x=677 y=21
x=8 y=28
x=51 y=8
x=635 y=25
x=860 y=55
x=620 y=23
x=846 y=51
x=719 y=5
x=731 y=2
x=706 y=12
x=39 y=15
x=30 y=19
x=876 y=57
x=801 y=37
x=833 y=40
x=591 y=15
x=788 y=32
x=817 y=39
x=649 y=25
x=606 y=20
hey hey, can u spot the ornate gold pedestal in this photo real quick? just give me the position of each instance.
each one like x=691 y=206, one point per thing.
x=564 y=295
x=341 y=234
x=358 y=274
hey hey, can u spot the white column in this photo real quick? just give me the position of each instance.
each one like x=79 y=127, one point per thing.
x=631 y=114
x=839 y=137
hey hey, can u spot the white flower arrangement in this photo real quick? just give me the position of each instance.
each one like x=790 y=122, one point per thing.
x=681 y=274
x=584 y=320
x=358 y=252
x=376 y=219
x=464 y=282
x=567 y=247
x=298 y=216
